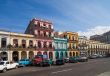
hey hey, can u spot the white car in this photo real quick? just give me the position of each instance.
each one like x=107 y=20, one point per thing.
x=5 y=65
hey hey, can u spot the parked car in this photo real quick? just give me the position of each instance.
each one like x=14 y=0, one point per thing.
x=66 y=60
x=100 y=56
x=83 y=59
x=73 y=59
x=94 y=56
x=24 y=62
x=5 y=65
x=41 y=60
x=60 y=61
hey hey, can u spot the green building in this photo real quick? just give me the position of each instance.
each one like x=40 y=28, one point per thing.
x=60 y=48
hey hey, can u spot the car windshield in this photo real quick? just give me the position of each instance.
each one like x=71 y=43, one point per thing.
x=1 y=63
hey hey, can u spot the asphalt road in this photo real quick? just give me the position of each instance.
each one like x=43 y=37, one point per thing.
x=95 y=67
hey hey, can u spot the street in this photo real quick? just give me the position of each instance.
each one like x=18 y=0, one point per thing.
x=95 y=67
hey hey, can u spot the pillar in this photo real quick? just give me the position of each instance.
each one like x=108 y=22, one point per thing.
x=54 y=55
x=9 y=53
x=27 y=52
x=19 y=55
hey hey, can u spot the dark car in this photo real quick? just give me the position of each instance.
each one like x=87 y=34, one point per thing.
x=73 y=59
x=83 y=59
x=60 y=61
x=66 y=60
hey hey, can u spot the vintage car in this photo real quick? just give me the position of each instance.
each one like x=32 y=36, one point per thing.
x=60 y=61
x=24 y=62
x=5 y=65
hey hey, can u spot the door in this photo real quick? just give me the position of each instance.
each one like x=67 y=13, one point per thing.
x=8 y=65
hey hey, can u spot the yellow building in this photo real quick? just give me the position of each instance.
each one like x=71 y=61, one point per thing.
x=72 y=43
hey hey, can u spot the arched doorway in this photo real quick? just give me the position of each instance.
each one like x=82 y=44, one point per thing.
x=77 y=54
x=70 y=54
x=57 y=55
x=31 y=55
x=73 y=54
x=39 y=53
x=61 y=55
x=15 y=56
x=50 y=55
x=4 y=56
x=23 y=55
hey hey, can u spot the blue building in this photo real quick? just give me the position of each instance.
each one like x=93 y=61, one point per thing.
x=60 y=48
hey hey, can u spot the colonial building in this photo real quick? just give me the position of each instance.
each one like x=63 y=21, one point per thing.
x=14 y=46
x=90 y=47
x=83 y=45
x=72 y=43
x=44 y=36
x=60 y=47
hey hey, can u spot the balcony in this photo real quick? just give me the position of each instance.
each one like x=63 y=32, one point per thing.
x=45 y=49
x=44 y=37
x=43 y=28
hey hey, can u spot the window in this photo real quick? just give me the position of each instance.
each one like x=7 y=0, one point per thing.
x=3 y=42
x=15 y=42
x=24 y=43
x=30 y=43
x=7 y=62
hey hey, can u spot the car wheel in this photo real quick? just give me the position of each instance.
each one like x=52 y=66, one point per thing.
x=16 y=67
x=4 y=70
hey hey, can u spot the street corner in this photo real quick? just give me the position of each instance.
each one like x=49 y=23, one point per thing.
x=104 y=74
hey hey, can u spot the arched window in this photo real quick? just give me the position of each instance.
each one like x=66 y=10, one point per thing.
x=73 y=53
x=70 y=54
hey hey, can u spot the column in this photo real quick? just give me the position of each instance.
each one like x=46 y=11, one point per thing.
x=9 y=53
x=27 y=54
x=19 y=55
x=19 y=42
x=35 y=53
x=27 y=43
x=7 y=40
x=48 y=54
x=68 y=53
x=54 y=56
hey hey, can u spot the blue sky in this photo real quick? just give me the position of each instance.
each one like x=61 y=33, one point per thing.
x=87 y=17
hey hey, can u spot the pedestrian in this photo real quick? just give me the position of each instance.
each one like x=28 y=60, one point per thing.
x=50 y=62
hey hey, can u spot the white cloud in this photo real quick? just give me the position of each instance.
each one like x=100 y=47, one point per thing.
x=96 y=30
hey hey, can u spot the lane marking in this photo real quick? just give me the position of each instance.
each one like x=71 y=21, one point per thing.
x=61 y=71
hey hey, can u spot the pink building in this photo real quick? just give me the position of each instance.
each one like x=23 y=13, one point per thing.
x=43 y=32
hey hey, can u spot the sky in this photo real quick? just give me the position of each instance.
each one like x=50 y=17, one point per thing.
x=87 y=17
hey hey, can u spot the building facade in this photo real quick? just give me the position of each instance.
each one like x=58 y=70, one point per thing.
x=44 y=36
x=72 y=43
x=15 y=46
x=60 y=48
x=91 y=47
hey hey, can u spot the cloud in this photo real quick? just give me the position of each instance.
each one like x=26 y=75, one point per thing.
x=98 y=30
